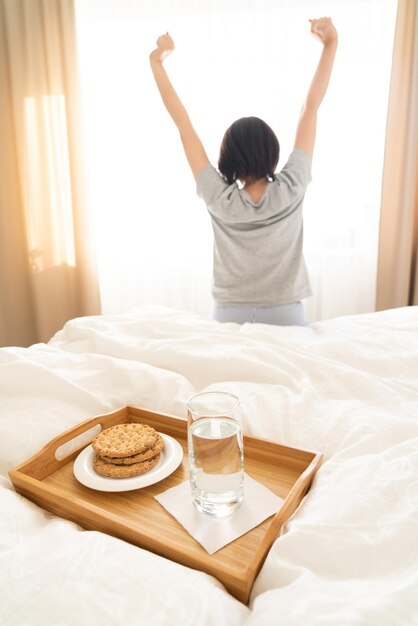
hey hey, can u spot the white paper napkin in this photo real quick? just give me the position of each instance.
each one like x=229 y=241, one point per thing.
x=259 y=503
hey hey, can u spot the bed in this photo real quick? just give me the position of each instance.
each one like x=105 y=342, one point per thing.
x=346 y=387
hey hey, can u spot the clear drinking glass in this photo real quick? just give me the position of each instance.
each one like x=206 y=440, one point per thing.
x=216 y=454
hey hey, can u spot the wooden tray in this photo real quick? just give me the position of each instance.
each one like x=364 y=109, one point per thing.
x=135 y=516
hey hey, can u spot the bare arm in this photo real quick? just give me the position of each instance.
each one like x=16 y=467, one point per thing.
x=324 y=30
x=192 y=145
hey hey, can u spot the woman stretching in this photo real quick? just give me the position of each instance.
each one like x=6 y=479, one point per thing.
x=259 y=274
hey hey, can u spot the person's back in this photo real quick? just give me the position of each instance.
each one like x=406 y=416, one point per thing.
x=258 y=260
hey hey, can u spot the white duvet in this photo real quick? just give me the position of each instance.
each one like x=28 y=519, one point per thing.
x=346 y=387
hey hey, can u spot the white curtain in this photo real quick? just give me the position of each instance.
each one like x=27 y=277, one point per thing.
x=232 y=59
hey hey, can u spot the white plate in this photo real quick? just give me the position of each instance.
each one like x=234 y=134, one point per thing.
x=170 y=458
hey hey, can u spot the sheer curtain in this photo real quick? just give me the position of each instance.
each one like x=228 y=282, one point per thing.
x=232 y=59
x=47 y=269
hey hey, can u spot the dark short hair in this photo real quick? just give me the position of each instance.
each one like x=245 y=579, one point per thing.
x=249 y=151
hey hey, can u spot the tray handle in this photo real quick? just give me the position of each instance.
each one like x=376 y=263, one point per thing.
x=66 y=446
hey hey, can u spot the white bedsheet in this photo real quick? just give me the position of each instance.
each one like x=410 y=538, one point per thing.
x=346 y=387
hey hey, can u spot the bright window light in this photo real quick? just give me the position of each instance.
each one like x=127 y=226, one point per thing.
x=232 y=59
x=48 y=199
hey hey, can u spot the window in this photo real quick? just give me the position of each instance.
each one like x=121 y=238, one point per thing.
x=48 y=202
x=232 y=59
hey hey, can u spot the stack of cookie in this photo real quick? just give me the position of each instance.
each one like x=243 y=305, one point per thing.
x=126 y=450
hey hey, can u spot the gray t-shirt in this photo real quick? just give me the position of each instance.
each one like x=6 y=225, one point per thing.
x=257 y=256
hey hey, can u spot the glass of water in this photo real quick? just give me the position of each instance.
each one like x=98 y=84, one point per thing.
x=216 y=454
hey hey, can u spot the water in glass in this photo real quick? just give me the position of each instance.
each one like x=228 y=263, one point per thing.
x=216 y=460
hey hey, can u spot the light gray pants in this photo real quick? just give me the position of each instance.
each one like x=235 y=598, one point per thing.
x=283 y=315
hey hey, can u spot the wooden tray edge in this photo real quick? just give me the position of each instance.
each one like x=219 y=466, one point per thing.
x=290 y=505
x=69 y=507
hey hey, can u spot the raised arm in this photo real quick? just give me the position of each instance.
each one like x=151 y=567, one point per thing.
x=193 y=147
x=324 y=30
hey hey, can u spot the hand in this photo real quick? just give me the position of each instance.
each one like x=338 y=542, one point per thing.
x=324 y=30
x=165 y=46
